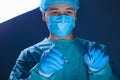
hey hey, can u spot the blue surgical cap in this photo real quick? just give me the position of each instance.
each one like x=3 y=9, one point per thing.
x=44 y=4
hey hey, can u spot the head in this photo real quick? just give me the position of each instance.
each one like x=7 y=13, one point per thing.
x=61 y=14
x=57 y=10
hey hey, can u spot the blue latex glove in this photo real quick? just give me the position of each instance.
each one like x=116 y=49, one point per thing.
x=51 y=61
x=96 y=59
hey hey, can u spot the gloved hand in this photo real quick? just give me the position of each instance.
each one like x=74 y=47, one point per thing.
x=96 y=59
x=51 y=61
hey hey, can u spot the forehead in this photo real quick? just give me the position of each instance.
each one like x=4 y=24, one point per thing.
x=60 y=7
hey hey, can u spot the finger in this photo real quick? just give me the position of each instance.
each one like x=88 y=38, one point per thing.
x=87 y=60
x=99 y=58
x=52 y=66
x=96 y=53
x=54 y=49
x=105 y=60
x=91 y=50
x=56 y=57
x=55 y=63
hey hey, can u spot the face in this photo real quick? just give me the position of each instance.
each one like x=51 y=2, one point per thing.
x=59 y=9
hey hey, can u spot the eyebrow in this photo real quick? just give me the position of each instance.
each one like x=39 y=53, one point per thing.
x=54 y=9
x=69 y=9
x=58 y=9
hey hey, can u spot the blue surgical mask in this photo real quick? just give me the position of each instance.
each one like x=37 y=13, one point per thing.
x=61 y=26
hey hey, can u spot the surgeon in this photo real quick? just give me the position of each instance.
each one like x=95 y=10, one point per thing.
x=62 y=56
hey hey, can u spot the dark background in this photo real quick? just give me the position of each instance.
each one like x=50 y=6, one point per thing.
x=98 y=20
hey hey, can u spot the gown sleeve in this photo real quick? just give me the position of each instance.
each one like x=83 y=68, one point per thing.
x=27 y=67
x=104 y=74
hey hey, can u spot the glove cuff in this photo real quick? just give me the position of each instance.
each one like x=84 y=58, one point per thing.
x=45 y=75
x=92 y=69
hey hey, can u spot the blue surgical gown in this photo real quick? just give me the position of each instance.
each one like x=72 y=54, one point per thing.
x=27 y=64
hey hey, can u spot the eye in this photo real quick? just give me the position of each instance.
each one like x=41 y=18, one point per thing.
x=55 y=13
x=69 y=12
